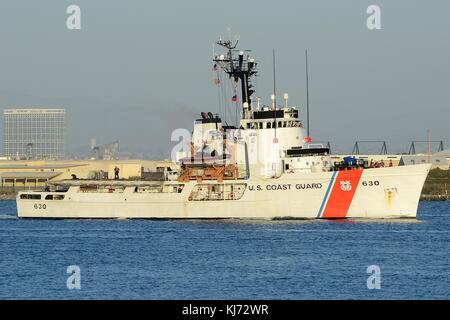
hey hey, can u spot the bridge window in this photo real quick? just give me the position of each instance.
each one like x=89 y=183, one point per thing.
x=54 y=197
x=30 y=196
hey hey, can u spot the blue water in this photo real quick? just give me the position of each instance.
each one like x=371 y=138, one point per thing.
x=151 y=259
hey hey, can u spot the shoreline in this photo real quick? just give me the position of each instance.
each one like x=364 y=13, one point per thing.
x=436 y=187
x=434 y=197
x=7 y=196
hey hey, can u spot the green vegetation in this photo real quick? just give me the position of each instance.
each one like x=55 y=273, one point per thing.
x=437 y=184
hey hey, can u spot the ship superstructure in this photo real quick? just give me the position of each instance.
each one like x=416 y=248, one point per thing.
x=267 y=141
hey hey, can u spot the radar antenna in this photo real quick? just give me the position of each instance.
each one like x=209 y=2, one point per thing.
x=238 y=69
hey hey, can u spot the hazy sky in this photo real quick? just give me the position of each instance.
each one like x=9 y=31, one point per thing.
x=138 y=69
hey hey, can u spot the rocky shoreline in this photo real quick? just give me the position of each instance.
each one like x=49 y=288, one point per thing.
x=434 y=197
x=437 y=186
x=7 y=196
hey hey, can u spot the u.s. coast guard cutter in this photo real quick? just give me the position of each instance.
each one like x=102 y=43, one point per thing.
x=263 y=167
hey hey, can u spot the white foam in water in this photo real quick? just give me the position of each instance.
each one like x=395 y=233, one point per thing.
x=7 y=216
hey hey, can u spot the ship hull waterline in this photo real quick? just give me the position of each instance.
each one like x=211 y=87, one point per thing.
x=377 y=193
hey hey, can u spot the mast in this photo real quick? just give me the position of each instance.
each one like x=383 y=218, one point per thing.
x=274 y=94
x=307 y=93
x=274 y=82
x=239 y=69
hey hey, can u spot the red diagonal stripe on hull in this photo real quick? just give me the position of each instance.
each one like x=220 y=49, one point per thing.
x=340 y=199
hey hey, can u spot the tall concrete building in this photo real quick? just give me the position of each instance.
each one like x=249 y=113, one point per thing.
x=34 y=133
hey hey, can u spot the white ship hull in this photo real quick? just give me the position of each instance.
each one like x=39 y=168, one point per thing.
x=392 y=192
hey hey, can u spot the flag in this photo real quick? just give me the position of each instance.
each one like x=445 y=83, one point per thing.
x=234 y=99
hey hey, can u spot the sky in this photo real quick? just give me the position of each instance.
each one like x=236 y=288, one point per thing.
x=137 y=70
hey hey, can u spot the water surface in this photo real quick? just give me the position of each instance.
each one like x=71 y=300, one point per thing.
x=226 y=259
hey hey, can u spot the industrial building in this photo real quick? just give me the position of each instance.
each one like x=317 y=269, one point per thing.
x=34 y=134
x=19 y=175
x=439 y=160
x=436 y=160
